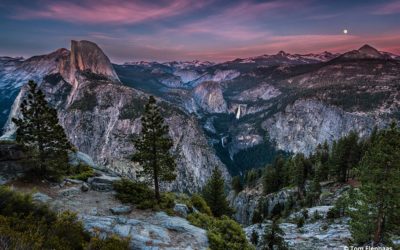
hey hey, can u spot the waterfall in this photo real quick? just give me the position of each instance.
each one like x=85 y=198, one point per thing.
x=238 y=113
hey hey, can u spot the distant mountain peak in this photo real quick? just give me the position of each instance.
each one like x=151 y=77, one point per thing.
x=367 y=49
x=282 y=53
x=365 y=52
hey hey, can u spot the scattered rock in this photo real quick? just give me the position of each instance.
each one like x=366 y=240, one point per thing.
x=121 y=210
x=41 y=197
x=93 y=211
x=70 y=191
x=3 y=180
x=85 y=187
x=181 y=209
x=316 y=235
x=103 y=183
x=73 y=181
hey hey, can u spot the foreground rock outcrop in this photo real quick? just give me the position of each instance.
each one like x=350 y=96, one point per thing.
x=104 y=215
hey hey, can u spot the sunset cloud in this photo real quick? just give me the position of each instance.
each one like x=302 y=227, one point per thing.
x=388 y=8
x=108 y=12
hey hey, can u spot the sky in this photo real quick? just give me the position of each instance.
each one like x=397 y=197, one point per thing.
x=166 y=30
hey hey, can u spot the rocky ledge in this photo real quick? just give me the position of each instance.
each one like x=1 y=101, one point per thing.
x=103 y=214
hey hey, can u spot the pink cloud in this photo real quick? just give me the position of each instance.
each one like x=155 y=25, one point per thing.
x=104 y=11
x=237 y=23
x=303 y=44
x=388 y=8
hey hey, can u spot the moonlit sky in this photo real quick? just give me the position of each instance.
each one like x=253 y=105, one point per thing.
x=205 y=30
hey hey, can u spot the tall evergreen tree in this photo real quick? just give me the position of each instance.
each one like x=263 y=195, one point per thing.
x=379 y=194
x=214 y=195
x=153 y=148
x=274 y=175
x=271 y=181
x=38 y=128
x=273 y=237
x=345 y=155
x=237 y=184
x=301 y=169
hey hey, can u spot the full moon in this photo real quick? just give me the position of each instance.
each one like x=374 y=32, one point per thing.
x=345 y=31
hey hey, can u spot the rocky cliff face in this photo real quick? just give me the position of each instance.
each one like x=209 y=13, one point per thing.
x=251 y=199
x=307 y=123
x=100 y=117
x=12 y=162
x=86 y=55
x=15 y=72
x=208 y=96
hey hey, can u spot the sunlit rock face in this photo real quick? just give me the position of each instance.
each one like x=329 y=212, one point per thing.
x=86 y=55
x=101 y=116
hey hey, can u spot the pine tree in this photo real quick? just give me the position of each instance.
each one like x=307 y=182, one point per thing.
x=379 y=194
x=153 y=148
x=38 y=128
x=302 y=169
x=346 y=154
x=237 y=184
x=254 y=237
x=214 y=195
x=273 y=237
x=270 y=180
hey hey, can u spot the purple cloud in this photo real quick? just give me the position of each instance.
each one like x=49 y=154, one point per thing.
x=105 y=11
x=388 y=8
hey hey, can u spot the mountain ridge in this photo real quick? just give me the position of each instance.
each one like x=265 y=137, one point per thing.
x=245 y=104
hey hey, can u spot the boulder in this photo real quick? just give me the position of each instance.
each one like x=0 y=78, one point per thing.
x=73 y=181
x=81 y=158
x=70 y=191
x=41 y=197
x=85 y=187
x=121 y=210
x=103 y=183
x=181 y=210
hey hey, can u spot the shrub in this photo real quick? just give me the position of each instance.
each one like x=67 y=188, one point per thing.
x=200 y=204
x=133 y=192
x=82 y=172
x=317 y=216
x=201 y=220
x=25 y=225
x=111 y=243
x=276 y=211
x=223 y=233
x=227 y=234
x=142 y=196
x=300 y=222
x=305 y=214
x=333 y=213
